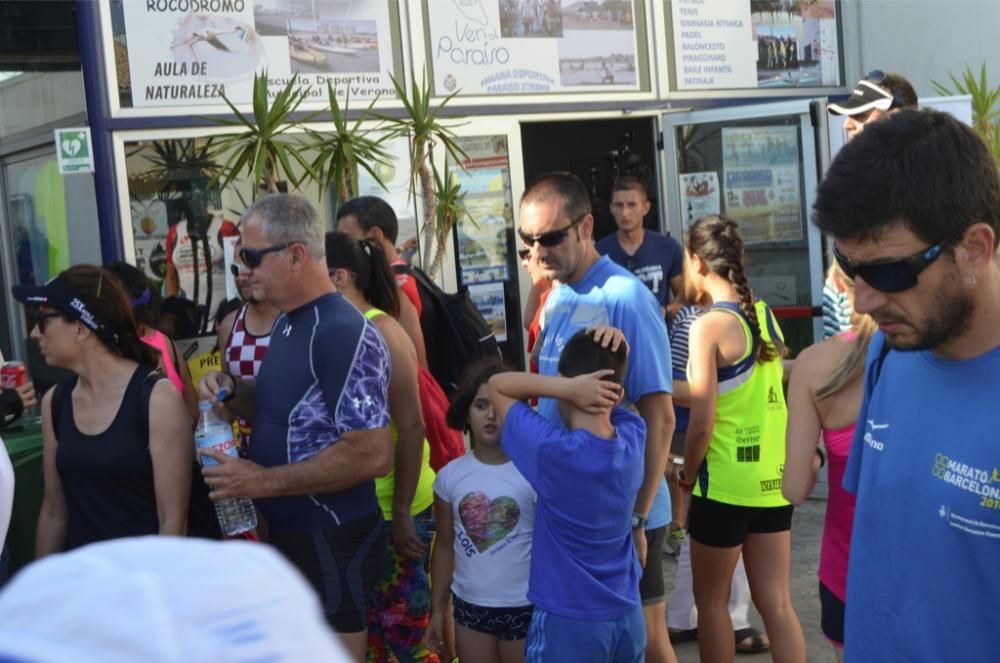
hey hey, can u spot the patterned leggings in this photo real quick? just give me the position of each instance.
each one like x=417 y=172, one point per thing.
x=401 y=605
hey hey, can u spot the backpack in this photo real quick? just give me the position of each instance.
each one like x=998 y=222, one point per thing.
x=202 y=520
x=455 y=333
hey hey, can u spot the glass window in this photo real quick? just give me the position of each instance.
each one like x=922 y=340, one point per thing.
x=487 y=264
x=184 y=226
x=52 y=224
x=751 y=170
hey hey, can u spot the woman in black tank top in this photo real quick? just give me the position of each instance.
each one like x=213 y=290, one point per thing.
x=117 y=438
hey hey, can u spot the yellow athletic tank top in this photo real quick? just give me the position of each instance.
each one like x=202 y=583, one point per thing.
x=746 y=455
x=423 y=498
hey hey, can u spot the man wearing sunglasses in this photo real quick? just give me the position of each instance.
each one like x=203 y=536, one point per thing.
x=556 y=226
x=913 y=208
x=319 y=410
x=875 y=97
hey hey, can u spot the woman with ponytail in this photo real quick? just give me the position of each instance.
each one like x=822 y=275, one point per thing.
x=400 y=611
x=734 y=451
x=824 y=397
x=110 y=471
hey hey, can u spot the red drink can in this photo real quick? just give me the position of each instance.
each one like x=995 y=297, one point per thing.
x=13 y=374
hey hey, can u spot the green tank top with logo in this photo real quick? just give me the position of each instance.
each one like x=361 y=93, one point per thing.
x=423 y=497
x=746 y=455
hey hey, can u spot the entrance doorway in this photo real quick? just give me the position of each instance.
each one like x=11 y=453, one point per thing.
x=598 y=152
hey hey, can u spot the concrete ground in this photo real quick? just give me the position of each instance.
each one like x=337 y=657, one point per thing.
x=807 y=527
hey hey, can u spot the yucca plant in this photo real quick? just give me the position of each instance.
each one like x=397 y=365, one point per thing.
x=423 y=127
x=264 y=149
x=340 y=154
x=985 y=115
x=449 y=209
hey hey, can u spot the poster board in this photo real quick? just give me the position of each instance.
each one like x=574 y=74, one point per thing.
x=518 y=47
x=761 y=176
x=741 y=44
x=191 y=52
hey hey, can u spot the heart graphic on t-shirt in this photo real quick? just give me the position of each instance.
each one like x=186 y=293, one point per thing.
x=487 y=522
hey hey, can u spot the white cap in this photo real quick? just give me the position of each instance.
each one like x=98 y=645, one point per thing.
x=164 y=599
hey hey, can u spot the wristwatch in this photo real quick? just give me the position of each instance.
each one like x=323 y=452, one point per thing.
x=639 y=520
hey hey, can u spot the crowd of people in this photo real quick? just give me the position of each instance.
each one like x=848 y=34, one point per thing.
x=661 y=425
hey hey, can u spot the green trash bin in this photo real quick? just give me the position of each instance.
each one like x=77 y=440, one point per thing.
x=24 y=446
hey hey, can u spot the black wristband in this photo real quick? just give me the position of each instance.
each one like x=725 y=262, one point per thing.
x=822 y=457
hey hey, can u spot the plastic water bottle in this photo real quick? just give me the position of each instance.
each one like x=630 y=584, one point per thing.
x=235 y=515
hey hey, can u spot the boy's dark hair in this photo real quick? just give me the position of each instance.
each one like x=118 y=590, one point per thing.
x=473 y=378
x=924 y=169
x=582 y=355
x=372 y=212
x=566 y=185
x=630 y=183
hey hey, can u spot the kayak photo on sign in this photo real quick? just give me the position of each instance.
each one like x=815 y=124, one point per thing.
x=323 y=37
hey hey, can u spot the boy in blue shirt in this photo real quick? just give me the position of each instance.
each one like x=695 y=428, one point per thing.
x=584 y=577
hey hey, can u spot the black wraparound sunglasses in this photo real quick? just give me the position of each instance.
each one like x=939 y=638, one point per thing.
x=891 y=275
x=253 y=257
x=549 y=239
x=40 y=319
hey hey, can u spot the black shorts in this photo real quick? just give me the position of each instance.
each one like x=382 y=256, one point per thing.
x=831 y=619
x=343 y=565
x=651 y=588
x=722 y=525
x=502 y=623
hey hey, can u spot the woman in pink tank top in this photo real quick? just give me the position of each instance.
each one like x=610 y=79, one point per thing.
x=824 y=396
x=145 y=304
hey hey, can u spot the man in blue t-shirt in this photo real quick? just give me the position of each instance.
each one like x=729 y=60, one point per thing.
x=586 y=468
x=655 y=259
x=319 y=409
x=557 y=226
x=920 y=242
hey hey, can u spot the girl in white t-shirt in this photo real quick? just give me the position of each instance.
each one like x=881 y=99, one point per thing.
x=485 y=513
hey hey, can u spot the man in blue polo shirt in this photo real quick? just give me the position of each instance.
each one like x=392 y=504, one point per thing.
x=556 y=224
x=655 y=259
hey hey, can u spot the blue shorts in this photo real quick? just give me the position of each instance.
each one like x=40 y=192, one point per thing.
x=555 y=638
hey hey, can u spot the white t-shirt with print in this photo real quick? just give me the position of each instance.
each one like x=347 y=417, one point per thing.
x=493 y=507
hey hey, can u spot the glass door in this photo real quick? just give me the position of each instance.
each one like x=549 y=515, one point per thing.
x=48 y=222
x=758 y=165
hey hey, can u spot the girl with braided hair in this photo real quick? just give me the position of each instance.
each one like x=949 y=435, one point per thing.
x=734 y=452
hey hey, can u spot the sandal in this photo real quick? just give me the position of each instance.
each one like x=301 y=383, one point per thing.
x=757 y=644
x=687 y=635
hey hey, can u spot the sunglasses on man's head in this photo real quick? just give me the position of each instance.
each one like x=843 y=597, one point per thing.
x=523 y=254
x=879 y=78
x=549 y=239
x=253 y=257
x=891 y=275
